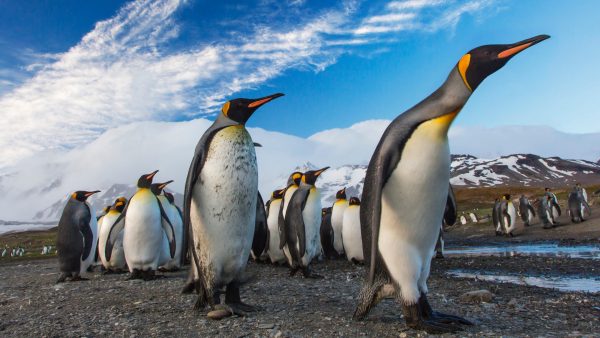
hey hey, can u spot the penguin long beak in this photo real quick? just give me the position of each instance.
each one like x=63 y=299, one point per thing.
x=259 y=102
x=320 y=171
x=151 y=175
x=515 y=48
x=90 y=193
x=163 y=185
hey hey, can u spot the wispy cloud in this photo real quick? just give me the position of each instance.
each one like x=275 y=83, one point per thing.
x=124 y=69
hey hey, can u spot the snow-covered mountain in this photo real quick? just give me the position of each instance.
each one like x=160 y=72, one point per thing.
x=98 y=201
x=522 y=169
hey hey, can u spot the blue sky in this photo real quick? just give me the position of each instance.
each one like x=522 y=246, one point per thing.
x=70 y=70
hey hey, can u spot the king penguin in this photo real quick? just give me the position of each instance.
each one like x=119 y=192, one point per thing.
x=273 y=205
x=117 y=261
x=351 y=237
x=327 y=234
x=293 y=183
x=261 y=231
x=526 y=210
x=337 y=220
x=508 y=215
x=578 y=206
x=302 y=222
x=143 y=222
x=76 y=238
x=406 y=188
x=166 y=262
x=178 y=218
x=220 y=205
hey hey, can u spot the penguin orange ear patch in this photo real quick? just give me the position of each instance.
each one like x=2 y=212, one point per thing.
x=463 y=65
x=225 y=108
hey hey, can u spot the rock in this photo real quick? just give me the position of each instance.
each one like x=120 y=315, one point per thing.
x=219 y=314
x=266 y=326
x=512 y=302
x=477 y=296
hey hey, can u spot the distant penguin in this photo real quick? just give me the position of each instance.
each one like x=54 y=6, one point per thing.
x=337 y=220
x=273 y=205
x=261 y=232
x=117 y=261
x=76 y=236
x=326 y=233
x=448 y=220
x=292 y=185
x=351 y=236
x=553 y=205
x=509 y=215
x=302 y=225
x=545 y=212
x=526 y=210
x=406 y=188
x=463 y=220
x=578 y=206
x=473 y=217
x=497 y=217
x=220 y=205
x=4 y=252
x=143 y=222
x=167 y=262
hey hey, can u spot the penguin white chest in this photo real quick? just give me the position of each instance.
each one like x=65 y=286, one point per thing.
x=413 y=201
x=142 y=237
x=275 y=253
x=351 y=233
x=223 y=209
x=337 y=222
x=312 y=222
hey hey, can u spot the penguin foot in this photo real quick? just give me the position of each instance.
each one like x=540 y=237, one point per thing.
x=242 y=309
x=188 y=288
x=413 y=315
x=135 y=274
x=307 y=273
x=63 y=277
x=78 y=278
x=428 y=313
x=293 y=271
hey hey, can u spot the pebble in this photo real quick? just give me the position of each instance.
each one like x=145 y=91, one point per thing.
x=266 y=326
x=219 y=314
x=477 y=296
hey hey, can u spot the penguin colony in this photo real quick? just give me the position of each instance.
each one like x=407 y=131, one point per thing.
x=504 y=212
x=393 y=229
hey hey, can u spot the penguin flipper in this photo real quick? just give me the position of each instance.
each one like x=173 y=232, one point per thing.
x=258 y=245
x=168 y=228
x=557 y=207
x=113 y=234
x=531 y=209
x=88 y=238
x=450 y=214
x=184 y=242
x=281 y=223
x=294 y=219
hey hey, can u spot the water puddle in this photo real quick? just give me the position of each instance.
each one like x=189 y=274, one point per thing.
x=543 y=250
x=559 y=283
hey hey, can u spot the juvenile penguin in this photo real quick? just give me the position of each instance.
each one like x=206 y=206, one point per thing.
x=143 y=222
x=326 y=233
x=117 y=261
x=526 y=210
x=275 y=253
x=351 y=237
x=76 y=238
x=406 y=188
x=220 y=205
x=261 y=231
x=302 y=222
x=337 y=220
x=509 y=215
x=578 y=206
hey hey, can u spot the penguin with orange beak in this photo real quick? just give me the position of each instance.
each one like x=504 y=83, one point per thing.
x=220 y=205
x=406 y=189
x=77 y=236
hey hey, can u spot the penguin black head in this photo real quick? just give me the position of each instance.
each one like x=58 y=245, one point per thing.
x=325 y=211
x=277 y=194
x=82 y=196
x=310 y=177
x=483 y=61
x=295 y=178
x=354 y=201
x=240 y=110
x=157 y=188
x=145 y=181
x=169 y=197
x=341 y=194
x=119 y=204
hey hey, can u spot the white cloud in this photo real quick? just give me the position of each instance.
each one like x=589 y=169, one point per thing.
x=122 y=154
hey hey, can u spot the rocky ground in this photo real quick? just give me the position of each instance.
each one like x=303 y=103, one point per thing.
x=31 y=305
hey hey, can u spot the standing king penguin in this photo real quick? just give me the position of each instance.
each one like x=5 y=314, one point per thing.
x=220 y=205
x=76 y=238
x=302 y=225
x=260 y=241
x=526 y=210
x=117 y=259
x=337 y=220
x=273 y=206
x=406 y=188
x=351 y=237
x=143 y=222
x=293 y=183
x=166 y=262
x=508 y=215
x=327 y=234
